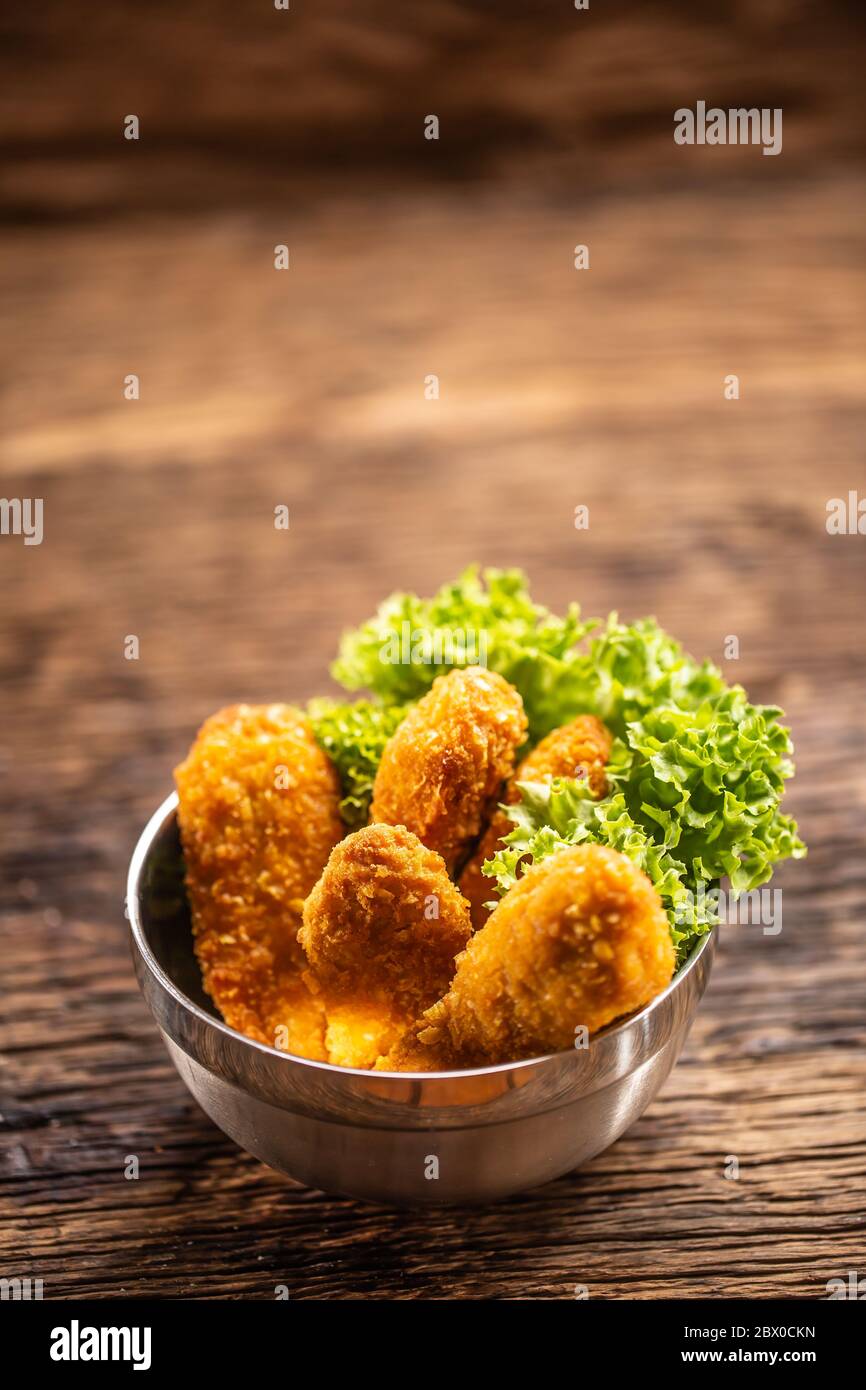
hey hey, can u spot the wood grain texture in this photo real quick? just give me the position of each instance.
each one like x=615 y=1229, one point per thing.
x=558 y=388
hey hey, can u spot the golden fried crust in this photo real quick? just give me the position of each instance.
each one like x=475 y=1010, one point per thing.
x=580 y=748
x=258 y=814
x=410 y=1054
x=381 y=930
x=580 y=940
x=443 y=769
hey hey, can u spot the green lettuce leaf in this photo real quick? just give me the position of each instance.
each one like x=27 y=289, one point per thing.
x=553 y=815
x=694 y=799
x=627 y=671
x=483 y=619
x=354 y=735
x=696 y=774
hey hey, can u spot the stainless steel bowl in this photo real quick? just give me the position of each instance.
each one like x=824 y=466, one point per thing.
x=397 y=1137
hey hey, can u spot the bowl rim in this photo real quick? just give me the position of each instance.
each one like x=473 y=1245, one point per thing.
x=166 y=811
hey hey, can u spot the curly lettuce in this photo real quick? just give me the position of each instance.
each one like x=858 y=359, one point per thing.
x=694 y=799
x=486 y=618
x=354 y=736
x=553 y=815
x=627 y=671
x=697 y=771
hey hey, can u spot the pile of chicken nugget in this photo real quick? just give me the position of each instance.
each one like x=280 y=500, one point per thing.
x=381 y=949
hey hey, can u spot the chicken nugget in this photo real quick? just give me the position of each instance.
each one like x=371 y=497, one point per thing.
x=381 y=930
x=443 y=769
x=580 y=940
x=580 y=748
x=258 y=814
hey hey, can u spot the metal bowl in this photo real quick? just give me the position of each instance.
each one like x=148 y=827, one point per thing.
x=396 y=1137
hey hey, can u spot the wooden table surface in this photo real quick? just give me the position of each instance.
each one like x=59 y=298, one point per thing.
x=307 y=388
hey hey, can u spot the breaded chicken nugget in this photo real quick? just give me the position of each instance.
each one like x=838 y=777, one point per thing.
x=580 y=748
x=381 y=930
x=581 y=939
x=443 y=769
x=259 y=815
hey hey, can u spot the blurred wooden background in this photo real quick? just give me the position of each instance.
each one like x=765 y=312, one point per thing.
x=306 y=387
